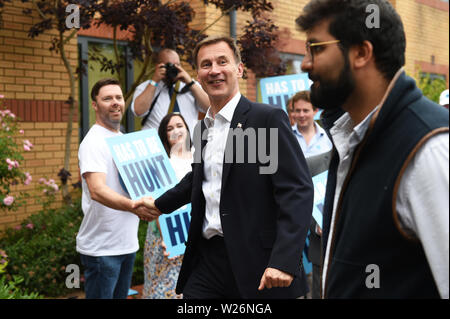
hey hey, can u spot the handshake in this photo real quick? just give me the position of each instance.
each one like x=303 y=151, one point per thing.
x=145 y=209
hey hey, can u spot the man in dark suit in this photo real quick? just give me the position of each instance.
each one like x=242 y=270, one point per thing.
x=250 y=211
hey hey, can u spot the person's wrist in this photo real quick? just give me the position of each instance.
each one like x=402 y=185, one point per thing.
x=154 y=83
x=189 y=84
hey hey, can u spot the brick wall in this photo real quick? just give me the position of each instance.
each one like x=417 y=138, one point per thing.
x=426 y=25
x=35 y=84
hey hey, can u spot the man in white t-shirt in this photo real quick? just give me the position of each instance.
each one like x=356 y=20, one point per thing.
x=107 y=240
x=152 y=98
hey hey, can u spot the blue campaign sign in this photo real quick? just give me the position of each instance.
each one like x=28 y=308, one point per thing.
x=278 y=89
x=176 y=230
x=320 y=183
x=145 y=169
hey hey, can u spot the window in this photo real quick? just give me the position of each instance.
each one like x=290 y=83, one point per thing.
x=87 y=46
x=293 y=62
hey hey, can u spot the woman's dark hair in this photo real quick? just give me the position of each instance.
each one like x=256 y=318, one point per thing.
x=349 y=24
x=162 y=131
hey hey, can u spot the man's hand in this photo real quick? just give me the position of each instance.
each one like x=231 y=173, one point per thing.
x=183 y=75
x=275 y=278
x=160 y=73
x=318 y=230
x=149 y=203
x=142 y=211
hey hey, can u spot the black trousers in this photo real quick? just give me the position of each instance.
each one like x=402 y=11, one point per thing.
x=212 y=278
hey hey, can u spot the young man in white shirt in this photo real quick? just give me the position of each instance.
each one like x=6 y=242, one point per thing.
x=107 y=240
x=312 y=138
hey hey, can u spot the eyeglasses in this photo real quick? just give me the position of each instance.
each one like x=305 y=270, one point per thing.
x=313 y=48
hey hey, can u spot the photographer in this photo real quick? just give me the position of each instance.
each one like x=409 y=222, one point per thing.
x=171 y=89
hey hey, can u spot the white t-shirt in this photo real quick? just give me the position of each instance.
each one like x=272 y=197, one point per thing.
x=103 y=231
x=189 y=107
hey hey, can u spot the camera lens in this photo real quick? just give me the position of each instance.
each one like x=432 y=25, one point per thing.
x=171 y=72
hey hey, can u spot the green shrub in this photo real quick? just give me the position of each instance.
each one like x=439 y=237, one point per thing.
x=10 y=161
x=41 y=247
x=138 y=271
x=10 y=290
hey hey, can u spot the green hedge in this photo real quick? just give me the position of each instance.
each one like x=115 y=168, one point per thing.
x=45 y=244
x=41 y=247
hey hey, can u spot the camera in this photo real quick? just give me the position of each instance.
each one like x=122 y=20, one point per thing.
x=171 y=72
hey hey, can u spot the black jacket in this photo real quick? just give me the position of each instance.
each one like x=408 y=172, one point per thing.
x=366 y=232
x=264 y=217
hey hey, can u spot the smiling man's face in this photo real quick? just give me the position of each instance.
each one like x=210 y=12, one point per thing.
x=109 y=107
x=219 y=73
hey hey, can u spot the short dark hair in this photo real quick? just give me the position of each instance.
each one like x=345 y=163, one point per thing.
x=289 y=105
x=348 y=24
x=101 y=83
x=216 y=39
x=304 y=96
x=162 y=130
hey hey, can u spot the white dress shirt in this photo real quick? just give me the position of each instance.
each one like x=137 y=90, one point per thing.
x=218 y=127
x=422 y=201
x=320 y=143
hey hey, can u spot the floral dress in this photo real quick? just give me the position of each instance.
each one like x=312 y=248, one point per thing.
x=160 y=272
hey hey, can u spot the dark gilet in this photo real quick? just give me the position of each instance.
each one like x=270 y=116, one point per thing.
x=366 y=230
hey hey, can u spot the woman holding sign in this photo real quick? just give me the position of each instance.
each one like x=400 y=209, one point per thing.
x=160 y=272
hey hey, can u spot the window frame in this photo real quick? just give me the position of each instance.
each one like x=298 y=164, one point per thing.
x=83 y=46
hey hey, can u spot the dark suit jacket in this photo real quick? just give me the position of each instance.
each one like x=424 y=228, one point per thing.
x=264 y=217
x=316 y=164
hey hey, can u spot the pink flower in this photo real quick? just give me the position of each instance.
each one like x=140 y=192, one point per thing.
x=11 y=164
x=22 y=132
x=27 y=145
x=18 y=227
x=8 y=200
x=1 y=96
x=29 y=226
x=42 y=180
x=28 y=178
